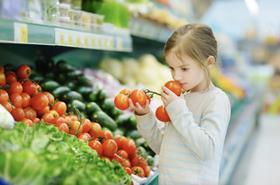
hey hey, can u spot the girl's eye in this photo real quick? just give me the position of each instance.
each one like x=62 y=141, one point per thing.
x=185 y=69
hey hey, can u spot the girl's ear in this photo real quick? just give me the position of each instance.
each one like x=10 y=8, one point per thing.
x=211 y=60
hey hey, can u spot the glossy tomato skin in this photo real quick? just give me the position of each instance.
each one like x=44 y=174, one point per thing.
x=4 y=96
x=137 y=170
x=174 y=86
x=110 y=147
x=97 y=146
x=138 y=96
x=161 y=114
x=121 y=101
x=23 y=71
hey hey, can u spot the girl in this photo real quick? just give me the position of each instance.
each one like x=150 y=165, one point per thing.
x=190 y=146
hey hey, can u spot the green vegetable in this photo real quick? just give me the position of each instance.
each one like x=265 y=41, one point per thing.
x=104 y=120
x=50 y=85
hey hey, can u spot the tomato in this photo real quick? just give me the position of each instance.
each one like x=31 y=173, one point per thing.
x=138 y=96
x=16 y=99
x=18 y=114
x=25 y=99
x=121 y=141
x=39 y=101
x=117 y=158
x=10 y=77
x=58 y=121
x=30 y=113
x=174 y=86
x=84 y=137
x=2 y=76
x=97 y=146
x=161 y=114
x=74 y=127
x=36 y=120
x=29 y=87
x=50 y=97
x=123 y=154
x=125 y=92
x=95 y=130
x=15 y=87
x=27 y=122
x=125 y=163
x=64 y=128
x=137 y=170
x=43 y=111
x=60 y=107
x=121 y=101
x=138 y=161
x=130 y=147
x=4 y=96
x=128 y=170
x=147 y=171
x=85 y=126
x=108 y=134
x=8 y=106
x=23 y=71
x=110 y=147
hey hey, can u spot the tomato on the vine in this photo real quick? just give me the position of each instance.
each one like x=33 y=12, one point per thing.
x=23 y=71
x=138 y=96
x=174 y=86
x=121 y=101
x=161 y=114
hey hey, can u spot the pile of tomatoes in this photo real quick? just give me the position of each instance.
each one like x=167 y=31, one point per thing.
x=27 y=103
x=142 y=96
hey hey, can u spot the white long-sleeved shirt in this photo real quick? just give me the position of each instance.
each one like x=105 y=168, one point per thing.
x=190 y=146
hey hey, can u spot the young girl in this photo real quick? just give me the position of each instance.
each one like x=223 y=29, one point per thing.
x=190 y=146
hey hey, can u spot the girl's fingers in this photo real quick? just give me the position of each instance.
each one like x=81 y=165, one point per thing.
x=131 y=105
x=167 y=91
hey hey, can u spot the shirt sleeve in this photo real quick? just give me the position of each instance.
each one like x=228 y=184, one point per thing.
x=206 y=138
x=149 y=129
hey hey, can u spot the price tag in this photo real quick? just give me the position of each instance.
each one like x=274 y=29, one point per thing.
x=61 y=38
x=20 y=32
x=78 y=41
x=70 y=39
x=86 y=41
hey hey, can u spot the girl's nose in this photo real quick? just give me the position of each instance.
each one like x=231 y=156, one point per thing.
x=177 y=76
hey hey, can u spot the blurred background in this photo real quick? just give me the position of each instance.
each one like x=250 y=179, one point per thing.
x=83 y=52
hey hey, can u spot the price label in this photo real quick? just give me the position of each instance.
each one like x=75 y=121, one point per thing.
x=70 y=39
x=79 y=41
x=86 y=41
x=20 y=33
x=61 y=39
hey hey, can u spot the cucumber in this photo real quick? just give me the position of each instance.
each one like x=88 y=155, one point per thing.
x=140 y=141
x=133 y=134
x=62 y=66
x=50 y=85
x=60 y=91
x=84 y=81
x=103 y=119
x=84 y=91
x=70 y=84
x=72 y=95
x=92 y=107
x=108 y=106
x=126 y=121
x=78 y=105
x=73 y=75
x=119 y=132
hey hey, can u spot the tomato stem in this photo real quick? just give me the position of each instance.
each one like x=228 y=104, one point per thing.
x=152 y=92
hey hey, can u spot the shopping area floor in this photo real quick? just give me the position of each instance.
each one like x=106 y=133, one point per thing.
x=259 y=163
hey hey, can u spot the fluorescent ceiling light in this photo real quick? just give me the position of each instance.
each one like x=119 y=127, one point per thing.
x=253 y=7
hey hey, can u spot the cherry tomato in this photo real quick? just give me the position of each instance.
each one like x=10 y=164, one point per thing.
x=130 y=147
x=121 y=101
x=174 y=86
x=25 y=99
x=60 y=107
x=95 y=130
x=138 y=96
x=29 y=87
x=125 y=92
x=23 y=71
x=4 y=96
x=161 y=114
x=97 y=146
x=10 y=77
x=123 y=154
x=15 y=87
x=16 y=99
x=18 y=114
x=137 y=170
x=39 y=101
x=30 y=113
x=110 y=147
x=64 y=128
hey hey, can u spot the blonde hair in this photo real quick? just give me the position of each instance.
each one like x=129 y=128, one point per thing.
x=194 y=40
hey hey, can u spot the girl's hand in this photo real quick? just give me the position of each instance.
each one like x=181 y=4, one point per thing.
x=167 y=96
x=138 y=109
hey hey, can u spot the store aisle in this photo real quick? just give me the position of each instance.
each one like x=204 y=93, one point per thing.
x=260 y=161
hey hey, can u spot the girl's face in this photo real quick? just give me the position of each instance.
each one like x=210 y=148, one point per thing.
x=187 y=72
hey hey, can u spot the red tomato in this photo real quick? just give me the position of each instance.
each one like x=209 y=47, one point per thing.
x=110 y=147
x=95 y=130
x=108 y=134
x=161 y=114
x=74 y=127
x=36 y=120
x=27 y=122
x=8 y=106
x=39 y=101
x=50 y=97
x=43 y=111
x=30 y=113
x=147 y=170
x=84 y=137
x=138 y=96
x=10 y=77
x=29 y=87
x=15 y=87
x=174 y=86
x=139 y=161
x=16 y=99
x=60 y=107
x=97 y=146
x=2 y=76
x=123 y=154
x=118 y=158
x=23 y=71
x=64 y=128
x=137 y=170
x=121 y=101
x=85 y=126
x=125 y=92
x=18 y=114
x=59 y=120
x=25 y=99
x=121 y=141
x=128 y=170
x=125 y=163
x=130 y=147
x=4 y=96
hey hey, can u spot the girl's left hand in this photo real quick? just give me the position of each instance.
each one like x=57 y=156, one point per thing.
x=167 y=96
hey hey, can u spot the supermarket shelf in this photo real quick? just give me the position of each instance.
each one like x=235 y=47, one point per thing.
x=150 y=30
x=40 y=34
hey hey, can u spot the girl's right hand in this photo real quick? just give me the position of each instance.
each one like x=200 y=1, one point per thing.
x=138 y=109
